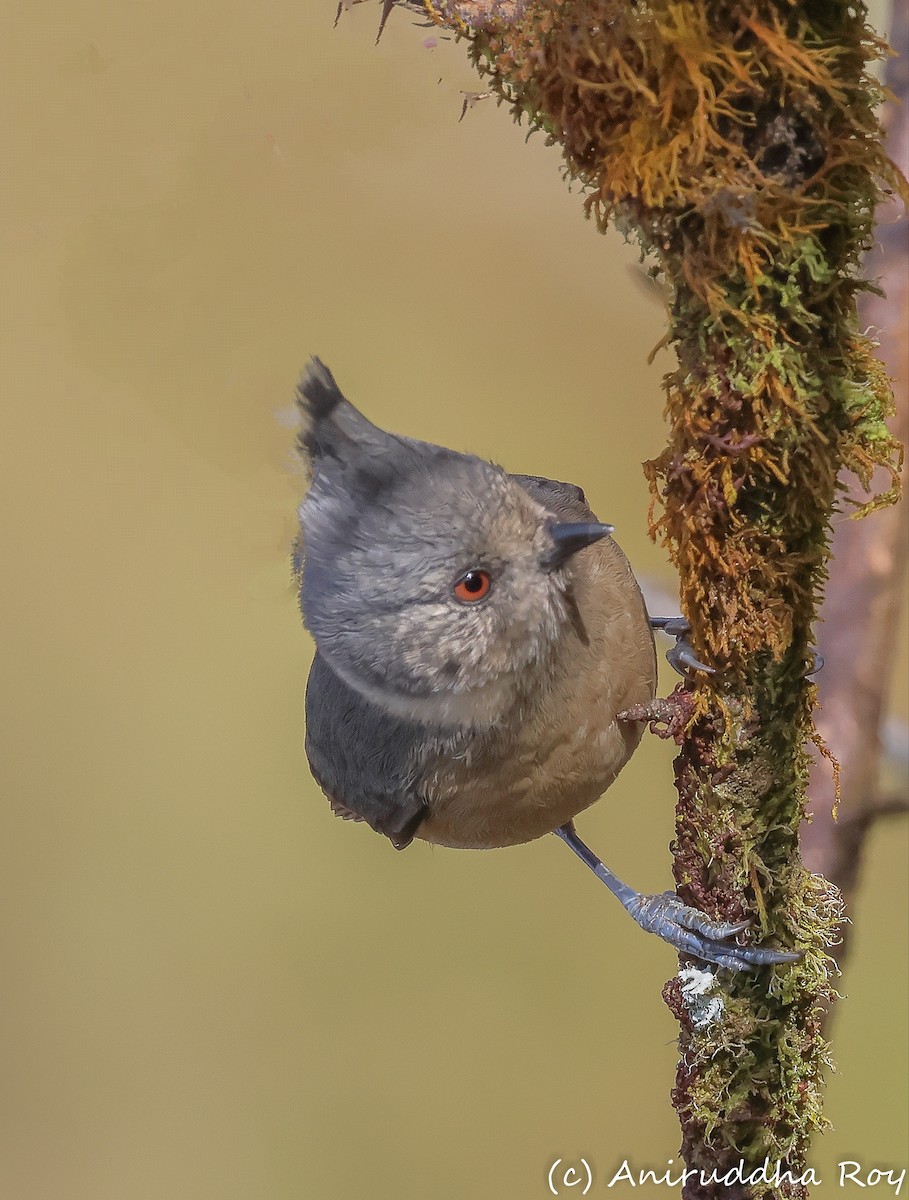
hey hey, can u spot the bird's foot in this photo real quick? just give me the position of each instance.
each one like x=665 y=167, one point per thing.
x=693 y=932
x=687 y=929
x=680 y=656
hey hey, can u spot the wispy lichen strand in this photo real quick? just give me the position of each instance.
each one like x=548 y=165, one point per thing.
x=740 y=145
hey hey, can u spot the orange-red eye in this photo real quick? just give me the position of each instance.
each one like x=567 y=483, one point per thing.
x=472 y=586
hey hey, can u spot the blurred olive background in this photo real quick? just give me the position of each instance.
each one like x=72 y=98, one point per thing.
x=213 y=989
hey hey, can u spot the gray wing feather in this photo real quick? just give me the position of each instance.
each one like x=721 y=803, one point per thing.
x=363 y=759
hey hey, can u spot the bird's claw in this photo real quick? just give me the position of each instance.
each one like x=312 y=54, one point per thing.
x=680 y=657
x=693 y=932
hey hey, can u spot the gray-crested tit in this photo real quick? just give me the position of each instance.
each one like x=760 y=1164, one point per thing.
x=477 y=635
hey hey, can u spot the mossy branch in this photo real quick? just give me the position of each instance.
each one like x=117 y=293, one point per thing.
x=740 y=146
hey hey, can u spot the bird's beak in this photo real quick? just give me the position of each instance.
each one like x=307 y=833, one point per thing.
x=570 y=537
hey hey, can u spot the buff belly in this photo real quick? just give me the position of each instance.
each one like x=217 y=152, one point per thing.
x=506 y=796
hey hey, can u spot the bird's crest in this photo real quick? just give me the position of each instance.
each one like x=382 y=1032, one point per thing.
x=332 y=427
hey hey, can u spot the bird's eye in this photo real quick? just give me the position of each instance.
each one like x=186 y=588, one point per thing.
x=472 y=586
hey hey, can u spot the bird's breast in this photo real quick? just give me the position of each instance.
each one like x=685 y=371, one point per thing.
x=557 y=752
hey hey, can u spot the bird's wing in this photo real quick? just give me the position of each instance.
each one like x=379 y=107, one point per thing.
x=364 y=760
x=564 y=500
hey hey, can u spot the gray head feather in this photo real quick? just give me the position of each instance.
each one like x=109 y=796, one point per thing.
x=387 y=528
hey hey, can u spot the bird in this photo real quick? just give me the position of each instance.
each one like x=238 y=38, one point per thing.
x=477 y=635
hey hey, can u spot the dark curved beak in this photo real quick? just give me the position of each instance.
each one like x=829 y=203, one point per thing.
x=570 y=537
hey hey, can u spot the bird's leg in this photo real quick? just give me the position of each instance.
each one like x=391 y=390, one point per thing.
x=688 y=930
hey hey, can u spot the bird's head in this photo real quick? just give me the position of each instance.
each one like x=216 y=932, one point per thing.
x=433 y=582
